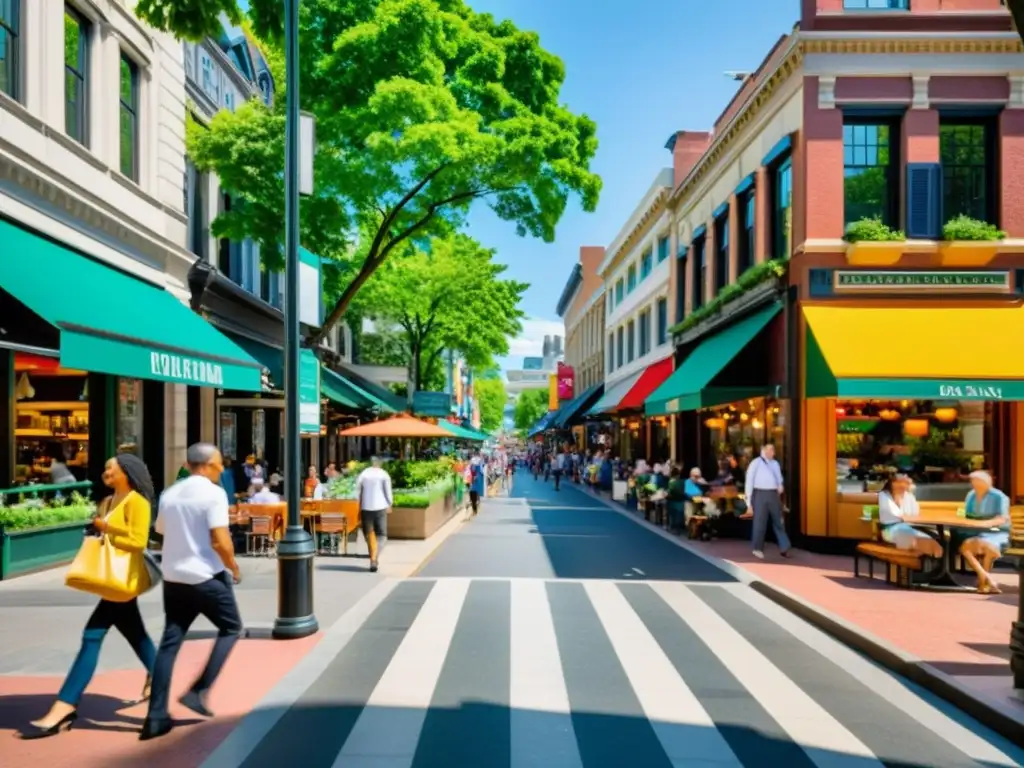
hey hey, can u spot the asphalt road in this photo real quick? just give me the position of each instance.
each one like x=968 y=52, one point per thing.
x=554 y=632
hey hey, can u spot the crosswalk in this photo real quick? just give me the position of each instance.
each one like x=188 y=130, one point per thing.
x=529 y=673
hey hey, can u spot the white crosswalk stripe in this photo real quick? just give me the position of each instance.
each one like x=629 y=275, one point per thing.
x=670 y=695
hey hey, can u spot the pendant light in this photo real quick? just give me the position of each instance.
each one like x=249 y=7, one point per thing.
x=24 y=390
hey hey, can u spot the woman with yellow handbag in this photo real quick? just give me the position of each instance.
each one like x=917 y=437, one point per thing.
x=112 y=566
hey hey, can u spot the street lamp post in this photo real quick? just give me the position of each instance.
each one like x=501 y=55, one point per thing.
x=295 y=551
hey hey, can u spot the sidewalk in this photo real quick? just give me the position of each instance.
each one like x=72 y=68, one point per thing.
x=40 y=634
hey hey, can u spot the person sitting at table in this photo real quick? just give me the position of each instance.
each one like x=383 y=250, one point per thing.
x=896 y=506
x=258 y=493
x=984 y=502
x=311 y=482
x=694 y=489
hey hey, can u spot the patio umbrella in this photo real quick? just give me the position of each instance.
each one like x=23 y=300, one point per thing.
x=401 y=425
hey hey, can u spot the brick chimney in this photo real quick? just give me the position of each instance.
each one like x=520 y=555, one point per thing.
x=686 y=148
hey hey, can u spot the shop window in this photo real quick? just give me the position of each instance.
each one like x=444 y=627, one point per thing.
x=646 y=264
x=967 y=154
x=129 y=416
x=700 y=273
x=937 y=443
x=748 y=231
x=10 y=48
x=630 y=341
x=870 y=171
x=782 y=201
x=631 y=278
x=662 y=248
x=662 y=321
x=619 y=343
x=620 y=292
x=721 y=253
x=129 y=118
x=735 y=433
x=76 y=76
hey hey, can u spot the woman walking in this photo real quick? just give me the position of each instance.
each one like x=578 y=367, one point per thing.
x=124 y=518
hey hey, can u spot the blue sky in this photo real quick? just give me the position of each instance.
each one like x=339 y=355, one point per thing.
x=642 y=70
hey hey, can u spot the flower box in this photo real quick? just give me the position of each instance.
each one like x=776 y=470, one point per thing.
x=35 y=549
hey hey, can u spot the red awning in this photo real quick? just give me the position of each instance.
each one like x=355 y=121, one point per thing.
x=649 y=381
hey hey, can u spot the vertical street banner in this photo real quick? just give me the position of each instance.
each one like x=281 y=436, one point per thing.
x=553 y=392
x=566 y=381
x=309 y=393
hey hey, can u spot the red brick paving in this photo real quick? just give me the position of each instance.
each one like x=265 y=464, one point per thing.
x=106 y=738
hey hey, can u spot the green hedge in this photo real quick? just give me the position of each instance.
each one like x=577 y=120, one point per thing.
x=26 y=515
x=421 y=498
x=761 y=273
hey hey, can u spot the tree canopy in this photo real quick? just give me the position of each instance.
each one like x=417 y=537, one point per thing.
x=449 y=296
x=491 y=395
x=530 y=406
x=422 y=106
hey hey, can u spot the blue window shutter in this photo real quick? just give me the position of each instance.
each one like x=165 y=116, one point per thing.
x=924 y=201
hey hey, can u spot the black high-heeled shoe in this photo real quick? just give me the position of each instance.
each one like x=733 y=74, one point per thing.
x=37 y=732
x=146 y=689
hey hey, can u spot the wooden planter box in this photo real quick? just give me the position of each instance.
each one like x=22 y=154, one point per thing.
x=420 y=522
x=38 y=548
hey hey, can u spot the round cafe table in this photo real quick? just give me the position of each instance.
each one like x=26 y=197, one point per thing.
x=936 y=522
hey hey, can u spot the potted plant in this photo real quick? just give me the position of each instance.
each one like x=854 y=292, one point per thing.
x=37 y=533
x=969 y=242
x=873 y=243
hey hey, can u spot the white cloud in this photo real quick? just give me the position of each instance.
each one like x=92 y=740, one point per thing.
x=530 y=343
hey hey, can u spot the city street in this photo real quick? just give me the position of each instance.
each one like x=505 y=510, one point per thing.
x=552 y=631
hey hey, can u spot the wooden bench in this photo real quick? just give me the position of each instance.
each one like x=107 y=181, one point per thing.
x=899 y=562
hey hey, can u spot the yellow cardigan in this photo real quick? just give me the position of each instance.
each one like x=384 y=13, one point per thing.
x=128 y=523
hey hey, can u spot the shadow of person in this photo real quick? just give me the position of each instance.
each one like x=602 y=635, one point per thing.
x=96 y=712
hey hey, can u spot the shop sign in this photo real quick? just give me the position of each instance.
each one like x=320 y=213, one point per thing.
x=971 y=391
x=960 y=281
x=187 y=370
x=309 y=393
x=566 y=381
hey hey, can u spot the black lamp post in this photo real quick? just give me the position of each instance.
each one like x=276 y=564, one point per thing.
x=295 y=551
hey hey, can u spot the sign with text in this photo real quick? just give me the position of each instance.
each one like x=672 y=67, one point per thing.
x=869 y=281
x=566 y=380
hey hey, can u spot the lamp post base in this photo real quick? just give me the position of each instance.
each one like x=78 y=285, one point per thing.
x=295 y=616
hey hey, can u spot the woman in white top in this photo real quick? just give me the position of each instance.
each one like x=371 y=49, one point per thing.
x=897 y=505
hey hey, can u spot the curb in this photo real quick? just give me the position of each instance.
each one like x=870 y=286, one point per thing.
x=986 y=711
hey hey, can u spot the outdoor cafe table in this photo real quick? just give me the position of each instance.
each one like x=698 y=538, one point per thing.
x=942 y=574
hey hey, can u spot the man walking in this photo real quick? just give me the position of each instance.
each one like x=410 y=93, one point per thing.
x=373 y=489
x=560 y=464
x=764 y=490
x=198 y=568
x=477 y=482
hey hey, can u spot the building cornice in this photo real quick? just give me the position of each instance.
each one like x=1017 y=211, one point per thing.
x=572 y=285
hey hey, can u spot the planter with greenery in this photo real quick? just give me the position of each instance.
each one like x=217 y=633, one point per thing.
x=761 y=274
x=873 y=243
x=969 y=242
x=964 y=228
x=418 y=512
x=36 y=534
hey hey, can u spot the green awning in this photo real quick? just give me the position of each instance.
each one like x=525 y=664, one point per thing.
x=269 y=357
x=384 y=399
x=113 y=323
x=462 y=433
x=689 y=388
x=336 y=388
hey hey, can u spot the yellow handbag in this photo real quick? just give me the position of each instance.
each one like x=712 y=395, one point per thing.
x=102 y=569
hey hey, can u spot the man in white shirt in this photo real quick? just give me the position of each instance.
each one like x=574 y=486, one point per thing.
x=261 y=494
x=373 y=489
x=764 y=488
x=198 y=561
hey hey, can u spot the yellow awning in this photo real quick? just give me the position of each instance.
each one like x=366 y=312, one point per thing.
x=922 y=352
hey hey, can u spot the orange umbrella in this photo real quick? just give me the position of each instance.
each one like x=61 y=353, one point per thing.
x=401 y=425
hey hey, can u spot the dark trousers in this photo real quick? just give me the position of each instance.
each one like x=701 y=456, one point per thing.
x=768 y=509
x=124 y=617
x=474 y=501
x=558 y=478
x=183 y=604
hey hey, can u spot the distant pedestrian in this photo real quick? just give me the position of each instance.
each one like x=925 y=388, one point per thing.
x=559 y=467
x=199 y=568
x=124 y=518
x=764 y=489
x=373 y=489
x=477 y=483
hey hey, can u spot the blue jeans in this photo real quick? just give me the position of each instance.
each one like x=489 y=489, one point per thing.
x=125 y=617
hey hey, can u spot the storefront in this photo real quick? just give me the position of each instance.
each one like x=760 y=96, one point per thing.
x=570 y=419
x=87 y=353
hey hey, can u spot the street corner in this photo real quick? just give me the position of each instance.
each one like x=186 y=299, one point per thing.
x=106 y=733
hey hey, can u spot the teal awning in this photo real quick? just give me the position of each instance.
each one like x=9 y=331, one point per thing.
x=575 y=408
x=460 y=432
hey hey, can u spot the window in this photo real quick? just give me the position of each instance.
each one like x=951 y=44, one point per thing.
x=618 y=344
x=195 y=209
x=645 y=332
x=10 y=43
x=876 y=5
x=630 y=341
x=76 y=84
x=967 y=154
x=619 y=291
x=748 y=231
x=870 y=172
x=721 y=253
x=681 y=271
x=699 y=274
x=646 y=264
x=782 y=199
x=631 y=278
x=662 y=248
x=611 y=352
x=129 y=118
x=662 y=321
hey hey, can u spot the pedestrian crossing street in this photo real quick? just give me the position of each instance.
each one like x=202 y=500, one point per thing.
x=530 y=673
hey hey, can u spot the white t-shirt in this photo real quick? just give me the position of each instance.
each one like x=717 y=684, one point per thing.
x=188 y=511
x=373 y=489
x=890 y=512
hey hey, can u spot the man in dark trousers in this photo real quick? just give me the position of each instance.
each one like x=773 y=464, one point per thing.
x=764 y=488
x=199 y=568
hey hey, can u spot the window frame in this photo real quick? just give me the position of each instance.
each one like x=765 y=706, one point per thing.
x=12 y=30
x=630 y=278
x=698 y=273
x=662 y=322
x=991 y=165
x=891 y=216
x=644 y=344
x=611 y=352
x=620 y=341
x=664 y=244
x=620 y=291
x=721 y=252
x=630 y=341
x=81 y=74
x=646 y=264
x=781 y=245
x=865 y=5
x=747 y=246
x=132 y=109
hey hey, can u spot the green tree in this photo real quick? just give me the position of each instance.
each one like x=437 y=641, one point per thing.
x=423 y=107
x=450 y=296
x=530 y=406
x=491 y=395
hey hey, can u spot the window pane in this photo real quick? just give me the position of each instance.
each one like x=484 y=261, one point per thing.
x=127 y=143
x=964 y=149
x=127 y=83
x=72 y=105
x=75 y=90
x=867 y=173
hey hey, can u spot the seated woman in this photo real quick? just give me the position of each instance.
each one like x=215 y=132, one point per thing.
x=896 y=506
x=695 y=488
x=984 y=503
